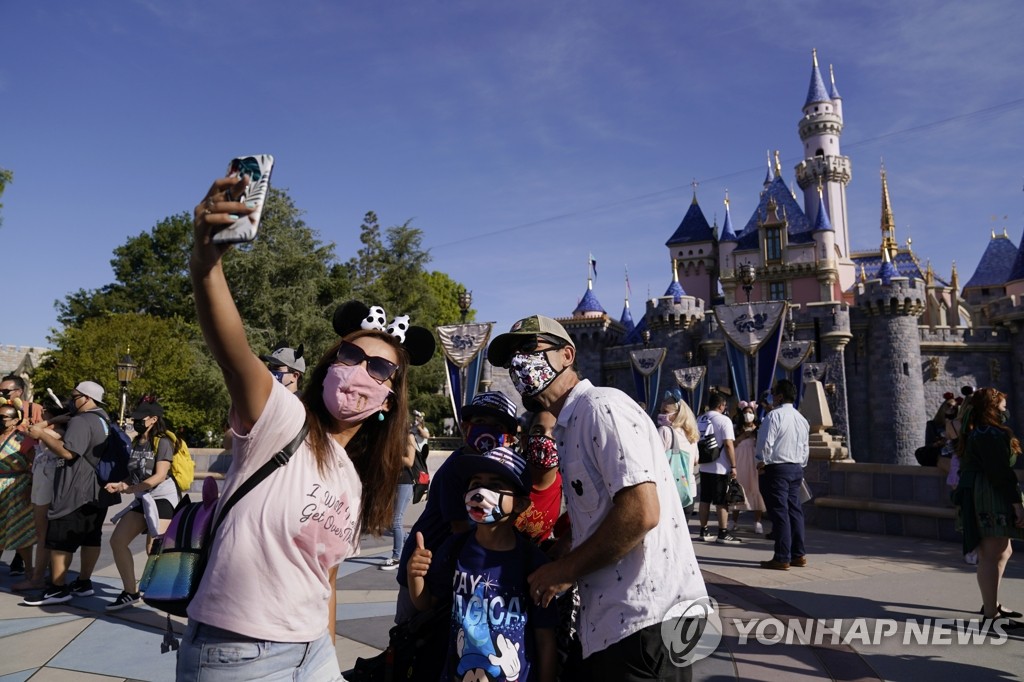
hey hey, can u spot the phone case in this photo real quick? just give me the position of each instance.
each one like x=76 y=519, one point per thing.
x=258 y=168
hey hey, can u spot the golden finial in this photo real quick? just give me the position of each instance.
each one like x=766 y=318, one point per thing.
x=778 y=164
x=863 y=275
x=814 y=56
x=929 y=274
x=993 y=234
x=1005 y=236
x=726 y=202
x=694 y=185
x=888 y=221
x=675 y=271
x=819 y=188
x=832 y=76
x=954 y=279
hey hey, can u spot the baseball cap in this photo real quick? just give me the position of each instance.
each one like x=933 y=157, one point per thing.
x=287 y=357
x=92 y=390
x=500 y=352
x=496 y=405
x=148 y=410
x=503 y=462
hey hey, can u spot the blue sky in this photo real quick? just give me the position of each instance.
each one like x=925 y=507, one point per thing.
x=519 y=136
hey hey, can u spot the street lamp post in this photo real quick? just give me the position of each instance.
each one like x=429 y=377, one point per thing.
x=127 y=371
x=748 y=273
x=465 y=301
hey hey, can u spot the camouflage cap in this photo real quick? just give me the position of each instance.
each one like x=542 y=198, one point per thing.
x=502 y=347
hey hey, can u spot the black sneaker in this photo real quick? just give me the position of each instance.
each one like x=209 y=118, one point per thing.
x=17 y=565
x=124 y=599
x=705 y=534
x=728 y=539
x=81 y=588
x=54 y=594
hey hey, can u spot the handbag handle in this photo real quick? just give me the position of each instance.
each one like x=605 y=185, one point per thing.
x=273 y=464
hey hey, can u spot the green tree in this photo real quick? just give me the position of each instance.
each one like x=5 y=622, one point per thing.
x=6 y=178
x=173 y=366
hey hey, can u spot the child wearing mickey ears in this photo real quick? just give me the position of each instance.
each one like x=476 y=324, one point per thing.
x=497 y=630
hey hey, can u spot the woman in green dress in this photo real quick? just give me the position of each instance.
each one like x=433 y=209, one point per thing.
x=989 y=495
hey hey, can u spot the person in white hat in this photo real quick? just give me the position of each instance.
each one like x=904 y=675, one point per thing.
x=79 y=507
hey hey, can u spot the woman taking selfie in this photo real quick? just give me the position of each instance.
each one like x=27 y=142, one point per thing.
x=989 y=496
x=266 y=606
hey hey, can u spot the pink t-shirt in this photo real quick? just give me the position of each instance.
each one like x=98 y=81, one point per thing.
x=268 y=576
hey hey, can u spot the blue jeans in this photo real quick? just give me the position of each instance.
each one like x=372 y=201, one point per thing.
x=209 y=653
x=780 y=487
x=403 y=496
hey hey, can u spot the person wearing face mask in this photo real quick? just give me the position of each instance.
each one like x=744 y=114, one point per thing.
x=79 y=506
x=266 y=605
x=287 y=365
x=156 y=496
x=485 y=571
x=488 y=421
x=631 y=555
x=677 y=427
x=745 y=426
x=541 y=454
x=17 y=531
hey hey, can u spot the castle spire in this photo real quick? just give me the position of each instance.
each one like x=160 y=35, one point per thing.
x=728 y=233
x=832 y=76
x=888 y=221
x=816 y=92
x=821 y=221
x=954 y=279
x=778 y=165
x=768 y=174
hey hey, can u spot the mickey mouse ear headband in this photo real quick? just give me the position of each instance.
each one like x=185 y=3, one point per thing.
x=356 y=315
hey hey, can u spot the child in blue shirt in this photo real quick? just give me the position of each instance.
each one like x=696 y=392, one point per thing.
x=498 y=632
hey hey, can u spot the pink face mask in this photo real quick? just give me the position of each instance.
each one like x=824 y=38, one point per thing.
x=351 y=395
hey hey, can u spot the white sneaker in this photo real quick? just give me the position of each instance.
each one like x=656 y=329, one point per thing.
x=758 y=528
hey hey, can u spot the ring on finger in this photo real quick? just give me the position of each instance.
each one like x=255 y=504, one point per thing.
x=208 y=203
x=207 y=212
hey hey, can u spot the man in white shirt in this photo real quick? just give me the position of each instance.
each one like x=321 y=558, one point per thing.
x=715 y=476
x=782 y=451
x=631 y=555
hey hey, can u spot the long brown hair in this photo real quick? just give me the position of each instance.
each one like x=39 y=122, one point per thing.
x=983 y=412
x=378 y=446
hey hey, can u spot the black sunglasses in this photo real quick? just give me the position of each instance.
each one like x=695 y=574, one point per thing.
x=379 y=369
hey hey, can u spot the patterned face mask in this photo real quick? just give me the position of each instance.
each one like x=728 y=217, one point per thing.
x=541 y=451
x=484 y=437
x=531 y=373
x=484 y=505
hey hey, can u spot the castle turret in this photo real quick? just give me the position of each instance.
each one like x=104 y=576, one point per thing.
x=727 y=244
x=893 y=304
x=820 y=130
x=825 y=241
x=694 y=253
x=888 y=221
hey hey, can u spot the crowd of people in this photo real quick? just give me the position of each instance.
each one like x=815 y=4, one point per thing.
x=552 y=543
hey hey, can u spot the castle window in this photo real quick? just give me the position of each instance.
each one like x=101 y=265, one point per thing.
x=773 y=244
x=776 y=291
x=984 y=291
x=820 y=152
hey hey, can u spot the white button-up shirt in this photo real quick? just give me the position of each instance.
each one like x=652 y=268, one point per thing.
x=783 y=437
x=607 y=443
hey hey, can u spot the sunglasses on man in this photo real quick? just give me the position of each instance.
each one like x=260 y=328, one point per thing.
x=379 y=369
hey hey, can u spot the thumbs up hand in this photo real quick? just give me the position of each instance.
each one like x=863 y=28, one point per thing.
x=419 y=561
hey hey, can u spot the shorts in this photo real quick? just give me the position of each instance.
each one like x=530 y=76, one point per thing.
x=81 y=528
x=42 y=485
x=712 y=489
x=164 y=509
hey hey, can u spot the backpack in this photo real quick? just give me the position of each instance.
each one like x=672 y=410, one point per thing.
x=679 y=460
x=183 y=466
x=117 y=451
x=420 y=474
x=708 y=449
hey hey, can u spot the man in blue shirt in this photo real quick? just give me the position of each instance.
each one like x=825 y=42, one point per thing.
x=782 y=451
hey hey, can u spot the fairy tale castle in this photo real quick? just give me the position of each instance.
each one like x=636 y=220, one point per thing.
x=891 y=336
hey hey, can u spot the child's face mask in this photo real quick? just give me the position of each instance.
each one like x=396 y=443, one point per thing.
x=485 y=505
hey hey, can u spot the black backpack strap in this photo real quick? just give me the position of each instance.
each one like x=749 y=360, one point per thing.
x=272 y=465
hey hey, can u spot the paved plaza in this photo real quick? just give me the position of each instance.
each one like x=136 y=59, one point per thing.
x=849 y=576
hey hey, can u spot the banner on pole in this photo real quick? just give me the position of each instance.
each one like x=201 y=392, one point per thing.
x=793 y=353
x=461 y=345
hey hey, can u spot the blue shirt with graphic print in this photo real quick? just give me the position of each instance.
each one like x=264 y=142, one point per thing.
x=493 y=616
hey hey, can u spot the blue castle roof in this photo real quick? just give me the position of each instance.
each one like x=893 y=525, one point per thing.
x=588 y=304
x=675 y=290
x=996 y=265
x=693 y=228
x=904 y=264
x=728 y=234
x=799 y=227
x=822 y=222
x=636 y=336
x=1017 y=271
x=816 y=92
x=627 y=319
x=887 y=272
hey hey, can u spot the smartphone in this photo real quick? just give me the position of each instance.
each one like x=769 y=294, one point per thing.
x=257 y=168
